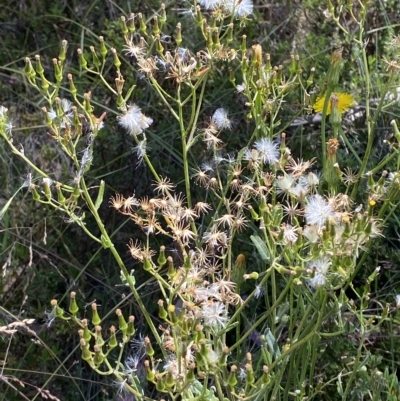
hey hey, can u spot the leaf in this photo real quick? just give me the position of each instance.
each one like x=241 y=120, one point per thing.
x=261 y=247
x=3 y=211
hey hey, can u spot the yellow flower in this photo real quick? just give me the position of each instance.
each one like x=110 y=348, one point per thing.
x=345 y=101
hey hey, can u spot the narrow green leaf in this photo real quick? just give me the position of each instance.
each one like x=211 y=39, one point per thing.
x=261 y=247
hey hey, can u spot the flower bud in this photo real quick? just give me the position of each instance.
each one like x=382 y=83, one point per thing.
x=131 y=328
x=98 y=336
x=29 y=70
x=162 y=313
x=243 y=46
x=58 y=311
x=95 y=60
x=117 y=62
x=335 y=118
x=86 y=354
x=73 y=307
x=112 y=343
x=163 y=15
x=148 y=346
x=334 y=68
x=63 y=51
x=39 y=67
x=95 y=315
x=57 y=70
x=82 y=60
x=150 y=376
x=266 y=377
x=46 y=187
x=171 y=269
x=123 y=326
x=249 y=374
x=142 y=23
x=103 y=48
x=87 y=335
x=98 y=355
x=232 y=380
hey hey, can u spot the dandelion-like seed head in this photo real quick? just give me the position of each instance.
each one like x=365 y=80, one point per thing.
x=134 y=121
x=268 y=150
x=240 y=8
x=214 y=315
x=220 y=119
x=318 y=211
x=320 y=267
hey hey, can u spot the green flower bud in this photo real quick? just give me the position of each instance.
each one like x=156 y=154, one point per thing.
x=98 y=336
x=266 y=377
x=98 y=355
x=72 y=87
x=156 y=28
x=57 y=70
x=162 y=260
x=169 y=380
x=117 y=62
x=58 y=311
x=147 y=266
x=190 y=376
x=86 y=354
x=112 y=343
x=87 y=335
x=171 y=269
x=35 y=193
x=250 y=379
x=46 y=188
x=123 y=326
x=163 y=15
x=131 y=328
x=172 y=314
x=103 y=48
x=95 y=315
x=86 y=102
x=150 y=375
x=60 y=196
x=335 y=118
x=82 y=60
x=243 y=46
x=335 y=67
x=29 y=70
x=73 y=307
x=232 y=380
x=310 y=79
x=125 y=29
x=63 y=51
x=148 y=346
x=95 y=60
x=160 y=386
x=39 y=67
x=162 y=313
x=142 y=23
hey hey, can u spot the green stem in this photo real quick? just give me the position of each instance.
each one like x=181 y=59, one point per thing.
x=117 y=257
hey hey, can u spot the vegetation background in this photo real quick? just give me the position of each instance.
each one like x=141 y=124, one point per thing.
x=43 y=257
